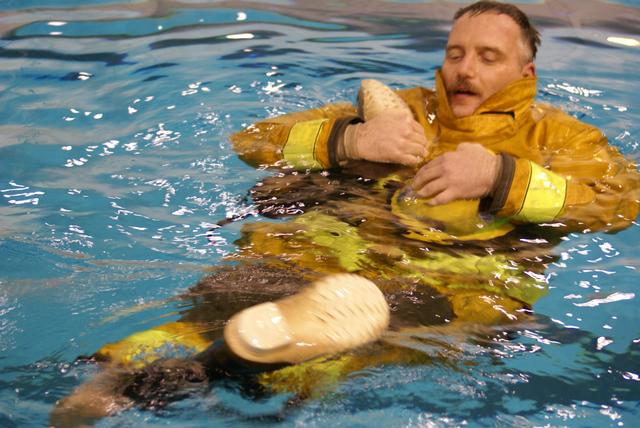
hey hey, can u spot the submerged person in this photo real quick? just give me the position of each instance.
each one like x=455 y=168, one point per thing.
x=440 y=198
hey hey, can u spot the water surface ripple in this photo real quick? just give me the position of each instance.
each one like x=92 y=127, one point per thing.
x=115 y=163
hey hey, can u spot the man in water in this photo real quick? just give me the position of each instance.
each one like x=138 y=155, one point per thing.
x=429 y=201
x=479 y=135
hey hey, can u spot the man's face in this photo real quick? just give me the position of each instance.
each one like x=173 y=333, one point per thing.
x=484 y=54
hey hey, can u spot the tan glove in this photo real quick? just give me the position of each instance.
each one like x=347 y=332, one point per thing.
x=468 y=173
x=392 y=136
x=389 y=134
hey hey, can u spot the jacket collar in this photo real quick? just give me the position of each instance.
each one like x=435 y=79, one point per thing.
x=498 y=116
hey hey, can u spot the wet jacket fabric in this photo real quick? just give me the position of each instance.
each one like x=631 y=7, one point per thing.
x=556 y=169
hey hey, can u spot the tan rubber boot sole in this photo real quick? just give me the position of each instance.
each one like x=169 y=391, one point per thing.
x=337 y=313
x=375 y=97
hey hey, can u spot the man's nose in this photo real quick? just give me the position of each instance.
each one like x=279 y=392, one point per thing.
x=468 y=66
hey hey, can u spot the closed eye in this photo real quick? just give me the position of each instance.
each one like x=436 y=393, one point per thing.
x=490 y=56
x=455 y=54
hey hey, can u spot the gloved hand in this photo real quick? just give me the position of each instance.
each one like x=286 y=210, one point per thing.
x=391 y=137
x=468 y=173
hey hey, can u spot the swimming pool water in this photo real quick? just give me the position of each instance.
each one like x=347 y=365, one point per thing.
x=115 y=162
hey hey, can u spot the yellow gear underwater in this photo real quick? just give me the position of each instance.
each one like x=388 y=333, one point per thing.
x=479 y=288
x=315 y=237
x=443 y=224
x=164 y=341
x=429 y=245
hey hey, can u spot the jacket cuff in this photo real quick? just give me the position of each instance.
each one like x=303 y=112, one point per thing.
x=336 y=136
x=498 y=197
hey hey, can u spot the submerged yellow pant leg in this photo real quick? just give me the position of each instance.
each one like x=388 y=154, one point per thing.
x=164 y=341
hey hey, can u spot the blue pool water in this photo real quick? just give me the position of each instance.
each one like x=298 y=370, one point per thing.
x=115 y=162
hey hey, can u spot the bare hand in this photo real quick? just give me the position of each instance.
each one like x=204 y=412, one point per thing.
x=391 y=137
x=468 y=173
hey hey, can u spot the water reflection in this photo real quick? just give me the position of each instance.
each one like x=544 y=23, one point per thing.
x=129 y=163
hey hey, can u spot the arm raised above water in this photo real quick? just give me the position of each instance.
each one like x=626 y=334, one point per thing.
x=329 y=136
x=583 y=183
x=302 y=140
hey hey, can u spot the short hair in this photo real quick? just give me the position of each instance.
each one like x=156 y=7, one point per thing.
x=529 y=32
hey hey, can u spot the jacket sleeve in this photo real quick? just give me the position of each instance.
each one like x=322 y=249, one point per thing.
x=582 y=184
x=303 y=140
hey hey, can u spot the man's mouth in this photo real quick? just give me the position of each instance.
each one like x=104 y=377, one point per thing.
x=463 y=91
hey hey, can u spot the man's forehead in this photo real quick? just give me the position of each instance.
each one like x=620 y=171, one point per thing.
x=487 y=29
x=487 y=22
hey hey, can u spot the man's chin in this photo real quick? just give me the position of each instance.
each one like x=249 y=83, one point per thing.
x=463 y=110
x=464 y=105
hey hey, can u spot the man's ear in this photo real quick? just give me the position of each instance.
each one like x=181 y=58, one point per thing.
x=529 y=70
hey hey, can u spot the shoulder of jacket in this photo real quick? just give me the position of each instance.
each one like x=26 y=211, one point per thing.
x=559 y=120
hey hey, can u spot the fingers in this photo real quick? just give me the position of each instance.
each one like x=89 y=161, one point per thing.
x=391 y=137
x=468 y=173
x=410 y=149
x=416 y=127
x=436 y=188
x=407 y=122
x=432 y=182
x=432 y=190
x=416 y=143
x=415 y=149
x=427 y=173
x=443 y=197
x=409 y=160
x=409 y=154
x=418 y=138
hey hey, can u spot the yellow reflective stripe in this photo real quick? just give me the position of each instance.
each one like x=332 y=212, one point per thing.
x=545 y=196
x=299 y=150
